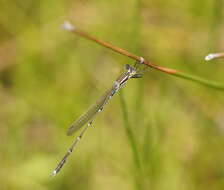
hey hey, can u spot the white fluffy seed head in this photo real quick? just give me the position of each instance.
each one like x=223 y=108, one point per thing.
x=68 y=26
x=210 y=57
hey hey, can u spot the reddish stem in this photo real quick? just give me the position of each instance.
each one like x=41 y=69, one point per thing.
x=122 y=51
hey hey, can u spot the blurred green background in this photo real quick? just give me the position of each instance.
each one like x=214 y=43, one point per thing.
x=48 y=77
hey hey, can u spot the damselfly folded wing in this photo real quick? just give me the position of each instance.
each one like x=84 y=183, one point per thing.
x=89 y=115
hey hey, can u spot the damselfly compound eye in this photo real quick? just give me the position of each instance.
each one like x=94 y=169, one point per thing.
x=127 y=67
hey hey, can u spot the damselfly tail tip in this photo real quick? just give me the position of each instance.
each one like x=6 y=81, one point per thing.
x=209 y=57
x=68 y=26
x=54 y=173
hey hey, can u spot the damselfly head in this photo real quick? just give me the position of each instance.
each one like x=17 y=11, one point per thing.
x=132 y=71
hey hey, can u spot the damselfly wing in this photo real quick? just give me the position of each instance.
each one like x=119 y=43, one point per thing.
x=89 y=115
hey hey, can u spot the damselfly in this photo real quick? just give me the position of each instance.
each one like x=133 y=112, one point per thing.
x=90 y=114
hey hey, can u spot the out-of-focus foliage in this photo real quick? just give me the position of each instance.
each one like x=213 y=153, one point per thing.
x=48 y=77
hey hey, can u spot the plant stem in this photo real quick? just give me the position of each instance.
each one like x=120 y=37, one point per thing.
x=68 y=26
x=199 y=80
x=129 y=132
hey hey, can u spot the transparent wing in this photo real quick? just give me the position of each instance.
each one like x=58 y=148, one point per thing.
x=89 y=115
